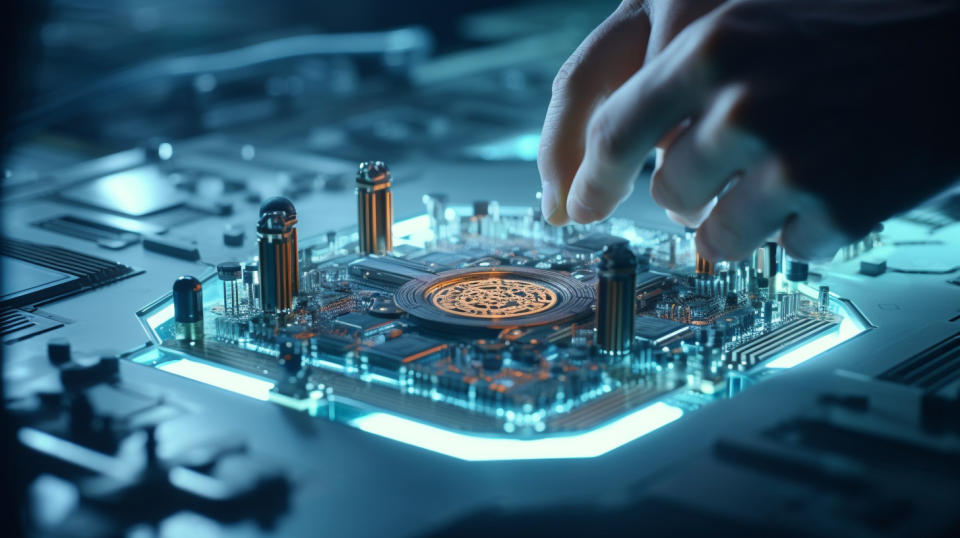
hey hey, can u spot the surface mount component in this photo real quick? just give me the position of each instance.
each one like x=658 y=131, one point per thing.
x=137 y=192
x=374 y=208
x=496 y=298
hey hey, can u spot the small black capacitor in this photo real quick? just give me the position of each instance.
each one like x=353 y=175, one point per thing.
x=796 y=270
x=767 y=260
x=616 y=299
x=481 y=208
x=188 y=308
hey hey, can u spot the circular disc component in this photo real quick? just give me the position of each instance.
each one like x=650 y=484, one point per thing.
x=493 y=298
x=496 y=297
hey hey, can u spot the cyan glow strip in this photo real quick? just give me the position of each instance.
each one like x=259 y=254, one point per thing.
x=588 y=444
x=160 y=317
x=218 y=377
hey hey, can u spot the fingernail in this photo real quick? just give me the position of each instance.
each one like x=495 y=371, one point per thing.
x=550 y=204
x=548 y=200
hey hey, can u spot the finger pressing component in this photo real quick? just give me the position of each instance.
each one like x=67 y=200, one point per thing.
x=608 y=57
x=754 y=208
x=626 y=127
x=811 y=234
x=703 y=159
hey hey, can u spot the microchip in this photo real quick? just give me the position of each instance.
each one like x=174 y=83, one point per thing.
x=365 y=324
x=659 y=330
x=649 y=280
x=334 y=341
x=387 y=272
x=404 y=349
x=137 y=192
x=439 y=261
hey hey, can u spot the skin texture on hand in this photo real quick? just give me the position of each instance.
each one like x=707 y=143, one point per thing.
x=814 y=119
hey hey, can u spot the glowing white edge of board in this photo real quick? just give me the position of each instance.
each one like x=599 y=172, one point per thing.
x=219 y=377
x=468 y=447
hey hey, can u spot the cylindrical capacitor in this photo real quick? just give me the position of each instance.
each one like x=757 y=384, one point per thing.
x=251 y=279
x=230 y=274
x=824 y=299
x=279 y=272
x=796 y=271
x=374 y=208
x=616 y=298
x=188 y=309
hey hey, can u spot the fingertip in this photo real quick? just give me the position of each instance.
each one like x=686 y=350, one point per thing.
x=722 y=241
x=812 y=240
x=705 y=248
x=558 y=217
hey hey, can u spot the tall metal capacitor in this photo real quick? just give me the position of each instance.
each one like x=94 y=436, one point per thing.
x=188 y=309
x=374 y=208
x=277 y=238
x=230 y=274
x=616 y=299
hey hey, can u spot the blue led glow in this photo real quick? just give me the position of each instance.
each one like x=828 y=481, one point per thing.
x=587 y=444
x=218 y=377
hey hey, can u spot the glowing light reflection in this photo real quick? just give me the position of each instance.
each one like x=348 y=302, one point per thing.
x=218 y=377
x=588 y=444
x=160 y=317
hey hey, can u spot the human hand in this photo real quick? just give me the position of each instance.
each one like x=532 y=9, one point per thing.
x=633 y=35
x=815 y=118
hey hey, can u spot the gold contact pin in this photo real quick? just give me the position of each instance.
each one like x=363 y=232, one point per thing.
x=704 y=266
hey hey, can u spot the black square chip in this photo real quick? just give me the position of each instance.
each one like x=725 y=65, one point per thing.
x=404 y=349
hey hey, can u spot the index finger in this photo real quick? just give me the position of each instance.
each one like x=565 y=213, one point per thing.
x=605 y=59
x=673 y=87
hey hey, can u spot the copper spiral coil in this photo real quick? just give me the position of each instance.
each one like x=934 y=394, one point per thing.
x=493 y=298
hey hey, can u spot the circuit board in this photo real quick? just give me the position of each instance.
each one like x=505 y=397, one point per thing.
x=476 y=335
